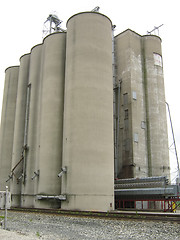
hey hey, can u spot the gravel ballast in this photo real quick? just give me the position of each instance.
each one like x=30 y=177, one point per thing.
x=48 y=226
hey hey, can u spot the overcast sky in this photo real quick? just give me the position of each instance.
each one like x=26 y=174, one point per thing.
x=21 y=25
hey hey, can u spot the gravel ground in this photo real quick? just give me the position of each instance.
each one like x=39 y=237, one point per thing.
x=28 y=226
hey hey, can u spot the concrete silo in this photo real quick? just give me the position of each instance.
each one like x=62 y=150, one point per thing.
x=7 y=124
x=29 y=186
x=143 y=140
x=157 y=138
x=132 y=149
x=20 y=132
x=51 y=119
x=88 y=114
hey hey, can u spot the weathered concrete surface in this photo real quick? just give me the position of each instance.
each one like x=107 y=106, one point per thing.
x=132 y=154
x=29 y=185
x=19 y=127
x=88 y=114
x=51 y=116
x=158 y=150
x=143 y=139
x=7 y=124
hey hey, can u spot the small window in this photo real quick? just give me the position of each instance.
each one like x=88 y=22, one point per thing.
x=136 y=137
x=143 y=124
x=157 y=59
x=126 y=114
x=134 y=95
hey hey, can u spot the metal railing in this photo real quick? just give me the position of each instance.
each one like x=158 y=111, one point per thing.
x=165 y=205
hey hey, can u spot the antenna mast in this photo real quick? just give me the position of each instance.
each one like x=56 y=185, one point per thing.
x=154 y=30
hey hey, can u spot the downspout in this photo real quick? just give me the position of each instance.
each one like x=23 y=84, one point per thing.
x=148 y=137
x=114 y=107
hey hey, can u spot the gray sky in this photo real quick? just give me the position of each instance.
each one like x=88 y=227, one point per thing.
x=22 y=21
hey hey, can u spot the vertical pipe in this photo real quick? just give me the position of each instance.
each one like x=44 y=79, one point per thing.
x=7 y=124
x=148 y=137
x=5 y=215
x=27 y=114
x=26 y=132
x=119 y=163
x=115 y=115
x=18 y=146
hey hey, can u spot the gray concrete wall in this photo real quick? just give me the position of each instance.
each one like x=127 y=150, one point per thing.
x=28 y=188
x=156 y=109
x=88 y=114
x=51 y=110
x=7 y=124
x=18 y=142
x=139 y=138
x=123 y=54
x=132 y=152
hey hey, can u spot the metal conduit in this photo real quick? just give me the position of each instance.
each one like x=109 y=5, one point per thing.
x=174 y=142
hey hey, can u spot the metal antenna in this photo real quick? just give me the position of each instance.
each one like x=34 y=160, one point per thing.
x=52 y=24
x=96 y=9
x=154 y=30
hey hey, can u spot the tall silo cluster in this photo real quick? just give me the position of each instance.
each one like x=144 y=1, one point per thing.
x=57 y=141
x=142 y=141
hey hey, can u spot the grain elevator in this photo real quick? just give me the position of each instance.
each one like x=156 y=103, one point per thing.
x=142 y=142
x=82 y=109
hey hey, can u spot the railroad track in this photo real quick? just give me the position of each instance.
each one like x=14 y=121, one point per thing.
x=135 y=215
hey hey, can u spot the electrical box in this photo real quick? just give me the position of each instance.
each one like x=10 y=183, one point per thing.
x=3 y=200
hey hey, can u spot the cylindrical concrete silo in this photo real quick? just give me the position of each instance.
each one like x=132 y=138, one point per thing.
x=20 y=127
x=7 y=124
x=157 y=138
x=88 y=114
x=51 y=118
x=28 y=188
x=132 y=154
